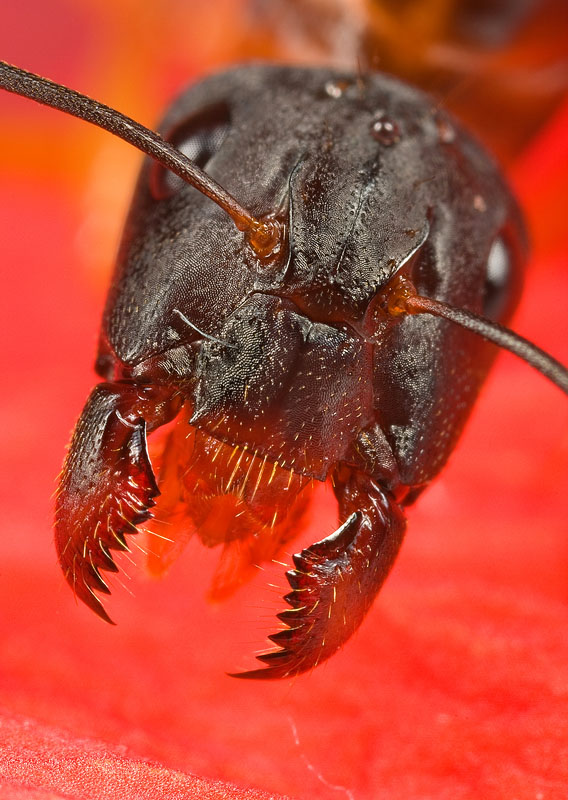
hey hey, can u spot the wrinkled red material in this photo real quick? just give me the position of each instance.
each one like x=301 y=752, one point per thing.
x=456 y=685
x=37 y=756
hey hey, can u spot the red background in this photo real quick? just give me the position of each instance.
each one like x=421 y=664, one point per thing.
x=456 y=685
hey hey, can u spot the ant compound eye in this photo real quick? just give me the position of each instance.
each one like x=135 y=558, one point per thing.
x=498 y=279
x=201 y=138
x=198 y=138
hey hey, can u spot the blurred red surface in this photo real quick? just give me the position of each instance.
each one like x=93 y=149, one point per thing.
x=456 y=685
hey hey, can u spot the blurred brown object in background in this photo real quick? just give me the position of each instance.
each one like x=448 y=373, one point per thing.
x=500 y=65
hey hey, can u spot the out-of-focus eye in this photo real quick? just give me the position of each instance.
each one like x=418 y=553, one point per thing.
x=198 y=138
x=498 y=279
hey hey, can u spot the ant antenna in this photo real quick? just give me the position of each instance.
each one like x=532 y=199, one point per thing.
x=402 y=298
x=263 y=235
